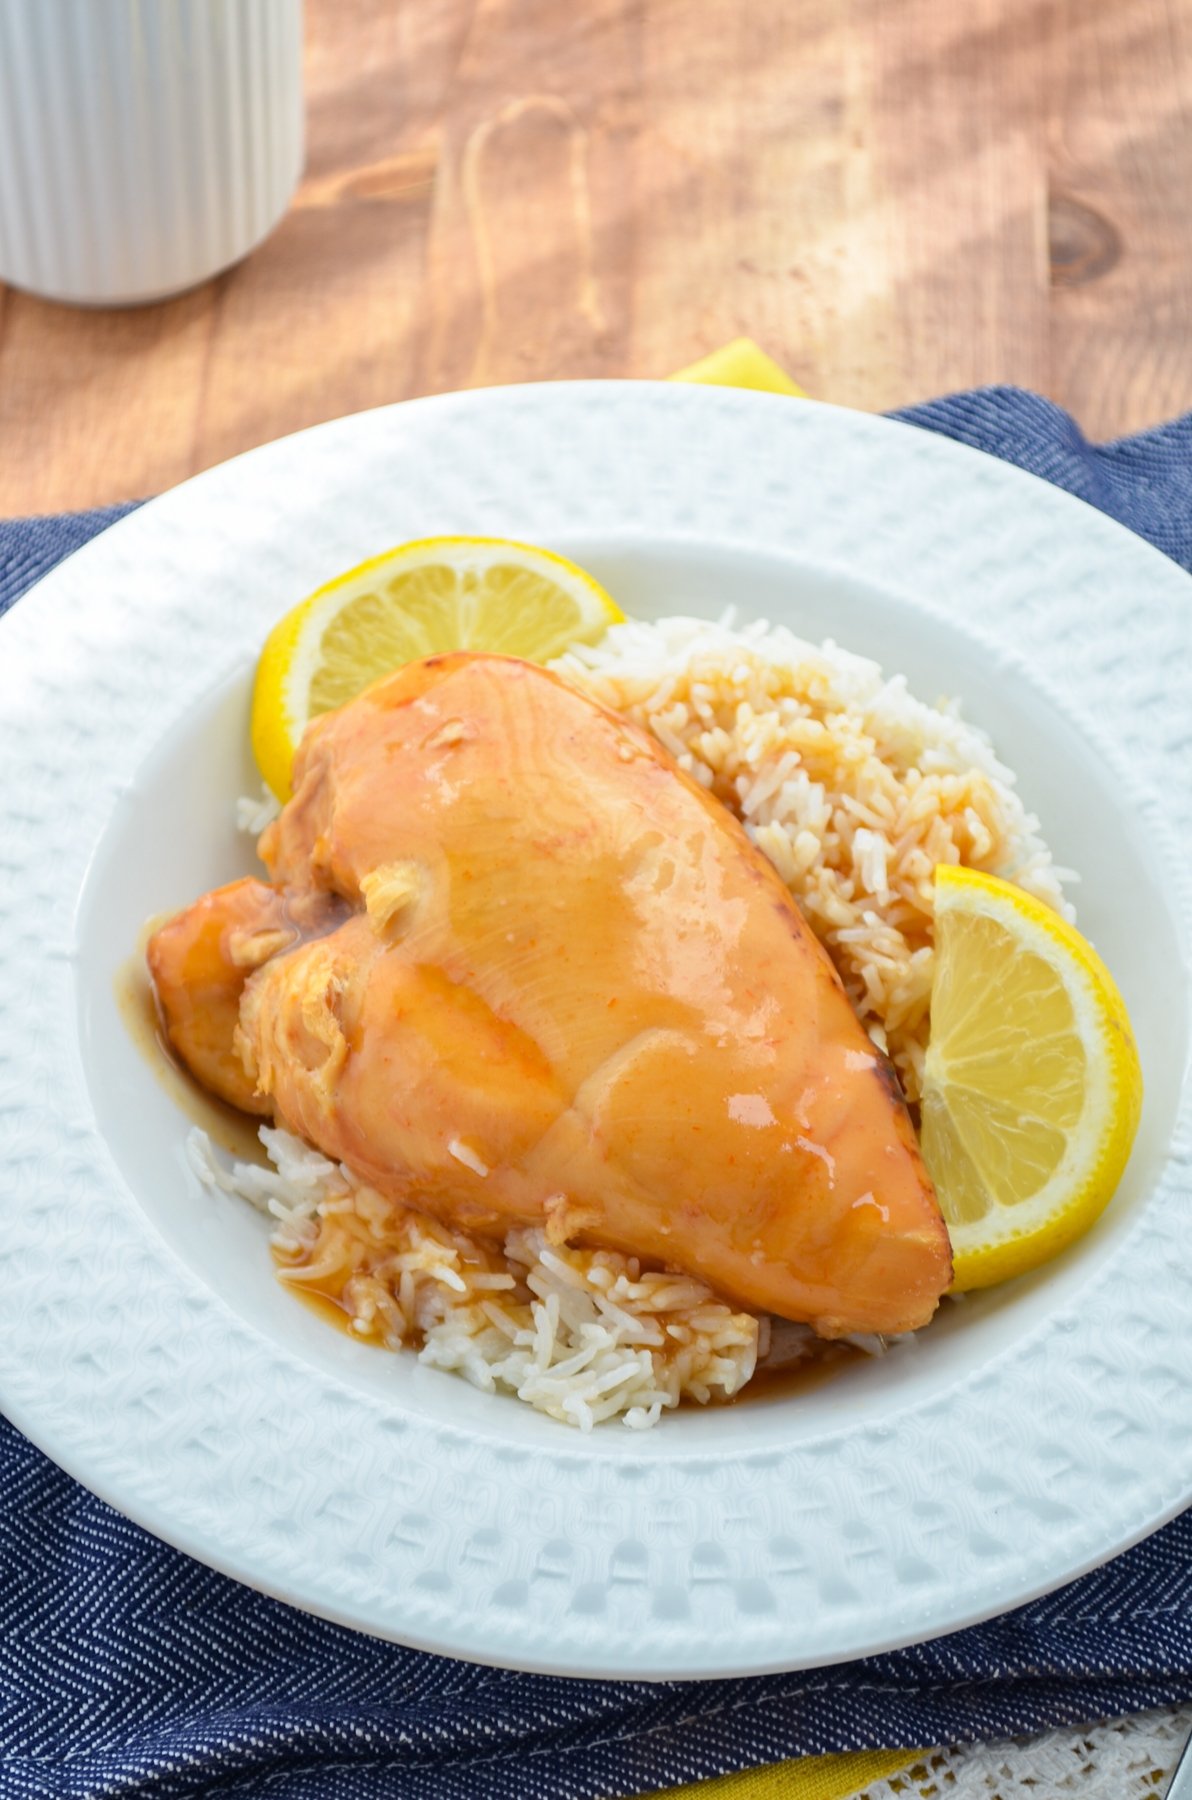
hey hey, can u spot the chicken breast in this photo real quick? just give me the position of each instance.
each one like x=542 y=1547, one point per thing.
x=570 y=991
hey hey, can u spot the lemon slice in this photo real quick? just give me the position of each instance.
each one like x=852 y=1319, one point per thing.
x=1032 y=1088
x=444 y=593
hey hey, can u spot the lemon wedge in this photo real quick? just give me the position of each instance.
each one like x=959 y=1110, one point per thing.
x=437 y=594
x=1032 y=1087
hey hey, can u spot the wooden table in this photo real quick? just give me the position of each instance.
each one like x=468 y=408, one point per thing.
x=896 y=197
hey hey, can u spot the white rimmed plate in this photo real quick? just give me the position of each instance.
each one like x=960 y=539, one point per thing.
x=1028 y=1435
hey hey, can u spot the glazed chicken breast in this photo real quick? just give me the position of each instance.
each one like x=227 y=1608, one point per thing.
x=513 y=966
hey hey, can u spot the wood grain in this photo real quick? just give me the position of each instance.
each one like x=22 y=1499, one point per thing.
x=895 y=197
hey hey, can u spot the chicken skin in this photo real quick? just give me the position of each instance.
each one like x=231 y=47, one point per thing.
x=563 y=988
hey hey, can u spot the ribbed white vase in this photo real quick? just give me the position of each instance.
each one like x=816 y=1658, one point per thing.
x=144 y=144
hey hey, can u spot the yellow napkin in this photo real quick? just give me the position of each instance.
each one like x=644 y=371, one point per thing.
x=741 y=364
x=808 y=1778
x=744 y=364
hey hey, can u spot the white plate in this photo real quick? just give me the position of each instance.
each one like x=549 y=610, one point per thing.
x=1028 y=1435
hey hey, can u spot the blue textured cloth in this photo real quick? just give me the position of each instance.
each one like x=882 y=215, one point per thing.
x=128 y=1670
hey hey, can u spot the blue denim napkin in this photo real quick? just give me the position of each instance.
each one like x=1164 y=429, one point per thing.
x=126 y=1670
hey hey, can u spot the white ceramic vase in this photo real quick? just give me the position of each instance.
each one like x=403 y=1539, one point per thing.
x=144 y=144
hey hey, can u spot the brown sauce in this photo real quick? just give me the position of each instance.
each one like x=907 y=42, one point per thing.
x=325 y=1306
x=232 y=1130
x=824 y=1364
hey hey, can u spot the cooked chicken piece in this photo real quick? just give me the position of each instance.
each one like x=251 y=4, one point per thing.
x=199 y=963
x=200 y=960
x=572 y=992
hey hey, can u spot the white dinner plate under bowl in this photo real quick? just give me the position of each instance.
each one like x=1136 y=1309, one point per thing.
x=1027 y=1435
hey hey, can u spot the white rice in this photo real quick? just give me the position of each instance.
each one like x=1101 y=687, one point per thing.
x=584 y=1335
x=855 y=790
x=253 y=813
